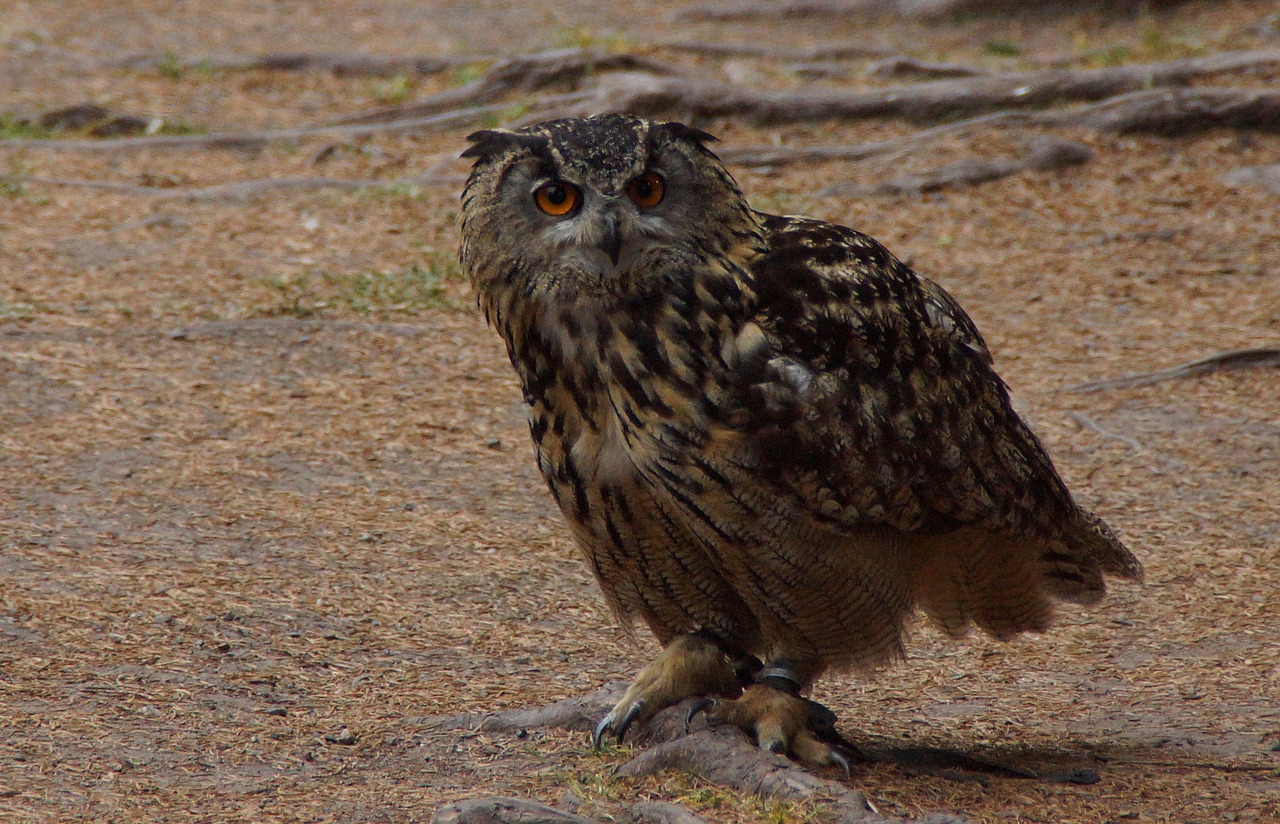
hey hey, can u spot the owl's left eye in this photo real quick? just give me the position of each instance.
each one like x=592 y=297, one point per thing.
x=647 y=190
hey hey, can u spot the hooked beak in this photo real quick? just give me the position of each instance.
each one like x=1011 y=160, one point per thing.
x=611 y=238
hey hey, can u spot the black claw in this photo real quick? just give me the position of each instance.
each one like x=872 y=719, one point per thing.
x=632 y=713
x=701 y=705
x=779 y=747
x=842 y=763
x=598 y=733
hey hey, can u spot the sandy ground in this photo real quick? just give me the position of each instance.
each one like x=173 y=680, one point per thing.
x=268 y=504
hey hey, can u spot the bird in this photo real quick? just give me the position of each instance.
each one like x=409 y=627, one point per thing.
x=772 y=440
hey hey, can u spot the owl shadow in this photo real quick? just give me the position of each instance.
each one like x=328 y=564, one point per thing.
x=1045 y=763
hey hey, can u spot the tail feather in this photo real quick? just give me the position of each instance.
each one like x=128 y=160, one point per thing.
x=1006 y=586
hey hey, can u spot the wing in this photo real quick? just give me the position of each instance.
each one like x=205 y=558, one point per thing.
x=878 y=404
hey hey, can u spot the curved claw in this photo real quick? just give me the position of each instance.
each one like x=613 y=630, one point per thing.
x=699 y=706
x=840 y=761
x=633 y=712
x=618 y=726
x=598 y=733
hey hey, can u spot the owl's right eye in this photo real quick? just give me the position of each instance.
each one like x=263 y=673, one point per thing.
x=557 y=198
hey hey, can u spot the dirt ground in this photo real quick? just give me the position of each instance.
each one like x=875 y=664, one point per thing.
x=267 y=503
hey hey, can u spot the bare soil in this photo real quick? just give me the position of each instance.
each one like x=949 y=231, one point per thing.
x=267 y=505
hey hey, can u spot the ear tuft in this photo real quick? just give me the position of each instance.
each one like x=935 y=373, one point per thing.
x=489 y=142
x=682 y=131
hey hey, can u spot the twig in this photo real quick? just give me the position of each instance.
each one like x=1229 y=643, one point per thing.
x=1231 y=360
x=1089 y=423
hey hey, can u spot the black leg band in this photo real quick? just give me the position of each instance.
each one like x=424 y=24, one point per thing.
x=780 y=678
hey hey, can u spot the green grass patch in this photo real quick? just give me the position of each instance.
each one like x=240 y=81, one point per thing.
x=392 y=90
x=13 y=182
x=1001 y=48
x=372 y=293
x=178 y=126
x=16 y=128
x=468 y=73
x=587 y=38
x=175 y=68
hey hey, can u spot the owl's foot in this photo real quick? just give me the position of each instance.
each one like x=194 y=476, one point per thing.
x=690 y=666
x=782 y=722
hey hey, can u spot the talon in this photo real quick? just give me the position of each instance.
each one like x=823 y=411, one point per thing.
x=633 y=712
x=599 y=731
x=840 y=761
x=701 y=705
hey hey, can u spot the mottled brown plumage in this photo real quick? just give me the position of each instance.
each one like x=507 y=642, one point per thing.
x=772 y=440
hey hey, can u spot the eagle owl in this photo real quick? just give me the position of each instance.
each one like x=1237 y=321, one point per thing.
x=771 y=439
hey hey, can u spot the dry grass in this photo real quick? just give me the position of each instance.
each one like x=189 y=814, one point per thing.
x=313 y=508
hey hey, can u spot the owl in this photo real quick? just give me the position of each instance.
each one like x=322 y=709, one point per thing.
x=773 y=442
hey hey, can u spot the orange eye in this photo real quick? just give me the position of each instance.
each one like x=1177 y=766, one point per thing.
x=557 y=198
x=647 y=190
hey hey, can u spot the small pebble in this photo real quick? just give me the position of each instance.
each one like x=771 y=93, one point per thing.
x=344 y=737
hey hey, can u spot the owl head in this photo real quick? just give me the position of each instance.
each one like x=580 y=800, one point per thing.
x=598 y=206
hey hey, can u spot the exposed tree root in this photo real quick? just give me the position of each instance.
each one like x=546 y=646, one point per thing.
x=724 y=756
x=351 y=65
x=1128 y=103
x=1159 y=112
x=1044 y=154
x=1089 y=423
x=829 y=51
x=897 y=68
x=920 y=9
x=1173 y=112
x=444 y=121
x=750 y=9
x=719 y=755
x=259 y=139
x=498 y=810
x=581 y=712
x=524 y=73
x=659 y=812
x=930 y=101
x=239 y=191
x=783 y=155
x=1222 y=361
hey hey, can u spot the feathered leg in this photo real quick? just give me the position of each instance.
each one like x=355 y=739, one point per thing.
x=691 y=666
